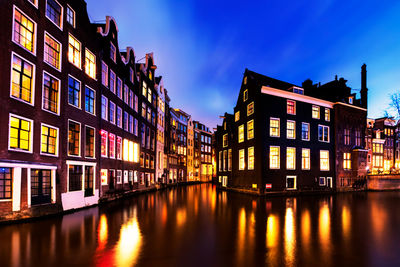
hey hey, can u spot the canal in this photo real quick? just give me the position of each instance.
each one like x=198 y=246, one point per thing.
x=200 y=226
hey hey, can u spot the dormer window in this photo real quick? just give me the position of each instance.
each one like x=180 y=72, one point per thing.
x=298 y=90
x=351 y=100
x=245 y=95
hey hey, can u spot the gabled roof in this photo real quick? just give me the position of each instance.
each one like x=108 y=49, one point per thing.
x=268 y=81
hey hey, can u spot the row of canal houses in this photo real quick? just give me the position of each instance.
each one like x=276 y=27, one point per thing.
x=83 y=120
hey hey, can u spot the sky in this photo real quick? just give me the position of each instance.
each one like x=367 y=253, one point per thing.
x=202 y=47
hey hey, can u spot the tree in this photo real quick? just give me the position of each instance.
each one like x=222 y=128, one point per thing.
x=394 y=105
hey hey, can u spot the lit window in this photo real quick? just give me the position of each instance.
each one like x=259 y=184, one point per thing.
x=315 y=112
x=104 y=107
x=241 y=159
x=250 y=108
x=149 y=95
x=54 y=12
x=250 y=129
x=6 y=183
x=237 y=116
x=104 y=143
x=346 y=136
x=119 y=88
x=305 y=131
x=113 y=81
x=51 y=87
x=324 y=160
x=24 y=31
x=241 y=133
x=225 y=157
x=74 y=92
x=377 y=161
x=104 y=74
x=34 y=2
x=291 y=107
x=144 y=88
x=111 y=145
x=131 y=75
x=274 y=127
x=20 y=133
x=113 y=52
x=119 y=117
x=346 y=161
x=74 y=51
x=49 y=140
x=90 y=64
x=274 y=157
x=52 y=51
x=245 y=80
x=225 y=140
x=323 y=133
x=229 y=159
x=305 y=159
x=71 y=16
x=327 y=114
x=126 y=121
x=126 y=94
x=377 y=148
x=291 y=130
x=22 y=86
x=250 y=155
x=291 y=158
x=74 y=133
x=89 y=142
x=119 y=147
x=351 y=100
x=245 y=95
x=90 y=96
x=291 y=182
x=103 y=175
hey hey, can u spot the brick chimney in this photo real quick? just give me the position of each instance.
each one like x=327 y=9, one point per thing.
x=364 y=90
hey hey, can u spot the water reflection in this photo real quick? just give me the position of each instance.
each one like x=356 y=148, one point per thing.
x=290 y=237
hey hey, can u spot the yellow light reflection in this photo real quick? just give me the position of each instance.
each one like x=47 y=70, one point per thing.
x=241 y=236
x=181 y=217
x=272 y=240
x=290 y=235
x=346 y=222
x=306 y=229
x=102 y=232
x=324 y=229
x=128 y=246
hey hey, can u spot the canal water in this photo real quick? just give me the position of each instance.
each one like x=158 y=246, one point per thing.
x=199 y=225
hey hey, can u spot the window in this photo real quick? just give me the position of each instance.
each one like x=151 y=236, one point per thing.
x=358 y=138
x=6 y=183
x=291 y=158
x=54 y=12
x=34 y=2
x=22 y=85
x=126 y=121
x=274 y=157
x=377 y=148
x=52 y=51
x=90 y=64
x=119 y=147
x=245 y=95
x=126 y=94
x=24 y=31
x=49 y=140
x=131 y=99
x=20 y=132
x=274 y=130
x=90 y=100
x=74 y=89
x=70 y=16
x=119 y=176
x=305 y=159
x=250 y=158
x=113 y=52
x=250 y=129
x=131 y=124
x=74 y=51
x=104 y=107
x=225 y=140
x=315 y=112
x=220 y=161
x=322 y=181
x=291 y=130
x=351 y=100
x=104 y=74
x=237 y=116
x=119 y=87
x=327 y=114
x=324 y=160
x=131 y=75
x=111 y=147
x=149 y=95
x=241 y=159
x=291 y=183
x=346 y=161
x=104 y=143
x=346 y=136
x=74 y=131
x=89 y=179
x=135 y=122
x=74 y=178
x=143 y=110
x=229 y=159
x=323 y=133
x=89 y=142
x=377 y=161
x=113 y=81
x=250 y=108
x=291 y=107
x=241 y=133
x=144 y=88
x=119 y=117
x=305 y=131
x=50 y=99
x=298 y=90
x=224 y=159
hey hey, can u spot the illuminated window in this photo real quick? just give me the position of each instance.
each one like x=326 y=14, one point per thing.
x=34 y=2
x=305 y=131
x=22 y=86
x=52 y=51
x=126 y=94
x=241 y=133
x=131 y=75
x=346 y=161
x=119 y=88
x=324 y=160
x=377 y=148
x=346 y=136
x=24 y=31
x=241 y=159
x=20 y=133
x=220 y=161
x=291 y=130
x=74 y=138
x=250 y=158
x=89 y=181
x=291 y=158
x=90 y=64
x=113 y=52
x=305 y=159
x=54 y=12
x=291 y=182
x=90 y=97
x=225 y=140
x=250 y=108
x=74 y=92
x=70 y=16
x=51 y=87
x=245 y=80
x=315 y=112
x=104 y=74
x=104 y=143
x=274 y=157
x=291 y=107
x=89 y=142
x=74 y=51
x=49 y=140
x=104 y=176
x=351 y=99
x=250 y=129
x=119 y=117
x=113 y=81
x=327 y=114
x=245 y=95
x=323 y=133
x=144 y=88
x=377 y=161
x=111 y=145
x=229 y=159
x=119 y=147
x=6 y=183
x=274 y=127
x=237 y=116
x=149 y=95
x=104 y=107
x=224 y=159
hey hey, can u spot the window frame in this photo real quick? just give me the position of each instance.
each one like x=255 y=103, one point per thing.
x=287 y=129
x=327 y=114
x=32 y=103
x=319 y=112
x=94 y=100
x=287 y=106
x=80 y=140
x=251 y=112
x=244 y=160
x=278 y=157
x=102 y=131
x=287 y=158
x=57 y=140
x=34 y=42
x=80 y=92
x=245 y=95
x=30 y=151
x=59 y=52
x=106 y=108
x=58 y=97
x=34 y=3
x=320 y=160
x=309 y=132
x=61 y=15
x=248 y=132
x=80 y=51
x=241 y=140
x=94 y=142
x=324 y=127
x=114 y=58
x=279 y=127
x=74 y=17
x=250 y=167
x=307 y=159
x=295 y=182
x=87 y=72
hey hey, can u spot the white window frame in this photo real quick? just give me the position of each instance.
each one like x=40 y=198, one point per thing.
x=279 y=158
x=109 y=147
x=319 y=112
x=94 y=143
x=113 y=121
x=279 y=127
x=59 y=94
x=294 y=130
x=320 y=166
x=34 y=3
x=309 y=132
x=80 y=140
x=57 y=143
x=80 y=46
x=115 y=55
x=309 y=159
x=34 y=42
x=95 y=64
x=33 y=80
x=323 y=130
x=294 y=160
x=94 y=104
x=101 y=155
x=106 y=111
x=107 y=74
x=295 y=182
x=80 y=92
x=66 y=17
x=319 y=181
x=62 y=15
x=30 y=151
x=44 y=45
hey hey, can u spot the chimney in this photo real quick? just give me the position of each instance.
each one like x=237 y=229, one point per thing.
x=364 y=90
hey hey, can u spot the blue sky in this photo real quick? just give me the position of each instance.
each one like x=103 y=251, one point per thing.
x=202 y=47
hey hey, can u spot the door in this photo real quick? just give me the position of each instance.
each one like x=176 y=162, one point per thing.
x=329 y=179
x=40 y=186
x=89 y=181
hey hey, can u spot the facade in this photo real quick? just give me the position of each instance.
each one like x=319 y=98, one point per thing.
x=202 y=152
x=160 y=130
x=282 y=137
x=190 y=150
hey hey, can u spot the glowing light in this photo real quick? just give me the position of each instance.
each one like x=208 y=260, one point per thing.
x=126 y=150
x=306 y=228
x=102 y=232
x=103 y=175
x=181 y=217
x=128 y=246
x=324 y=230
x=136 y=152
x=289 y=237
x=346 y=222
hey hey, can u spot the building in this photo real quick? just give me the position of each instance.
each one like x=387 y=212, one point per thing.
x=162 y=93
x=202 y=152
x=282 y=137
x=190 y=150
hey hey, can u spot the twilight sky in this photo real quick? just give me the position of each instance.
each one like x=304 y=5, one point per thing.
x=202 y=47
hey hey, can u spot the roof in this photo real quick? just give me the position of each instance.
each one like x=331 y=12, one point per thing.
x=270 y=82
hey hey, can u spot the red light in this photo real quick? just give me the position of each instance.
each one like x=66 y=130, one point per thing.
x=268 y=186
